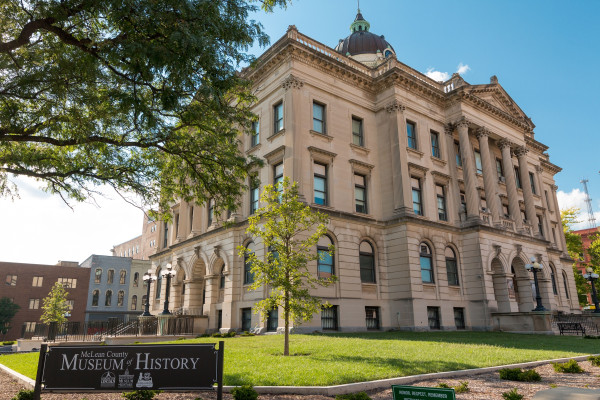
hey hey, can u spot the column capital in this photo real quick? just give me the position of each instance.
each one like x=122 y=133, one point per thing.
x=539 y=169
x=482 y=131
x=449 y=129
x=292 y=82
x=462 y=122
x=396 y=106
x=554 y=188
x=502 y=143
x=521 y=151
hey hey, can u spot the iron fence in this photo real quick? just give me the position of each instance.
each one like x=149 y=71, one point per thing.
x=589 y=323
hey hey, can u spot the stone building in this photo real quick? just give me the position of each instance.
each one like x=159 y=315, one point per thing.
x=140 y=247
x=439 y=195
x=28 y=284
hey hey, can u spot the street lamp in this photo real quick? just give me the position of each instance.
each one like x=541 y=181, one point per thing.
x=593 y=277
x=148 y=278
x=168 y=273
x=536 y=267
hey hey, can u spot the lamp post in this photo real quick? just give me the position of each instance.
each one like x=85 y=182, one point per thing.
x=148 y=279
x=536 y=267
x=593 y=277
x=168 y=273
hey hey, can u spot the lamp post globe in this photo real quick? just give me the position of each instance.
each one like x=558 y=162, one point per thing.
x=168 y=273
x=148 y=279
x=593 y=278
x=536 y=267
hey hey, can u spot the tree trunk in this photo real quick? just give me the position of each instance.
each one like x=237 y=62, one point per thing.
x=286 y=316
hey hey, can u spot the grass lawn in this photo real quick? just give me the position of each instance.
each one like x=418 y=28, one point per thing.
x=330 y=359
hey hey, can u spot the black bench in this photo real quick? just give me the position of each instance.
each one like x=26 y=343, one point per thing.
x=575 y=327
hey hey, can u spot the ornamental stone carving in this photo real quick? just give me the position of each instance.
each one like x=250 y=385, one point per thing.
x=482 y=131
x=539 y=169
x=449 y=129
x=502 y=143
x=292 y=82
x=463 y=122
x=395 y=106
x=521 y=151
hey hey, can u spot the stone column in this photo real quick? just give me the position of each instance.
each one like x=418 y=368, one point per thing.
x=511 y=184
x=193 y=294
x=400 y=175
x=183 y=221
x=292 y=108
x=197 y=220
x=470 y=177
x=453 y=189
x=547 y=228
x=521 y=153
x=560 y=233
x=489 y=177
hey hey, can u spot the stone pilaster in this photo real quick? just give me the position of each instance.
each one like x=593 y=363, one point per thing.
x=521 y=153
x=453 y=189
x=489 y=177
x=546 y=222
x=182 y=229
x=196 y=220
x=511 y=184
x=470 y=177
x=560 y=233
x=400 y=175
x=293 y=107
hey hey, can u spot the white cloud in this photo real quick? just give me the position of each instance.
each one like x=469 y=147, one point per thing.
x=576 y=198
x=444 y=76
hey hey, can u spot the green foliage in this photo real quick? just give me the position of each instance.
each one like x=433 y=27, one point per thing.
x=55 y=305
x=217 y=335
x=143 y=96
x=568 y=218
x=141 y=394
x=353 y=396
x=569 y=367
x=595 y=360
x=512 y=395
x=230 y=334
x=244 y=392
x=8 y=309
x=24 y=394
x=462 y=387
x=443 y=385
x=517 y=374
x=8 y=342
x=291 y=230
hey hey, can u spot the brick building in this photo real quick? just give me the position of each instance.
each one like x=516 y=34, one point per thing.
x=141 y=247
x=587 y=236
x=28 y=284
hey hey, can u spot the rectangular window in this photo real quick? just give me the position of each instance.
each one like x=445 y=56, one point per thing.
x=272 y=320
x=441 y=203
x=547 y=200
x=110 y=276
x=459 y=318
x=540 y=220
x=329 y=318
x=435 y=144
x=254 y=196
x=357 y=131
x=278 y=117
x=219 y=319
x=320 y=184
x=499 y=170
x=246 y=319
x=372 y=317
x=433 y=317
x=255 y=139
x=122 y=276
x=278 y=176
x=360 y=193
x=11 y=280
x=37 y=281
x=457 y=154
x=532 y=182
x=478 y=165
x=411 y=134
x=416 y=196
x=34 y=304
x=319 y=118
x=30 y=327
x=211 y=212
x=69 y=283
x=517 y=178
x=70 y=304
x=166 y=237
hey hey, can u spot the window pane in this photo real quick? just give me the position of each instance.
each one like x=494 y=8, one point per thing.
x=324 y=264
x=478 y=165
x=357 y=137
x=367 y=268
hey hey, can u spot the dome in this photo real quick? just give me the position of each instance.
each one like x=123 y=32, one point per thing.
x=362 y=42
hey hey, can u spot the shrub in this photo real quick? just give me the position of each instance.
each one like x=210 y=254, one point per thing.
x=24 y=395
x=517 y=374
x=512 y=395
x=230 y=334
x=595 y=360
x=244 y=392
x=570 y=367
x=463 y=387
x=443 y=385
x=216 y=334
x=8 y=342
x=141 y=394
x=353 y=396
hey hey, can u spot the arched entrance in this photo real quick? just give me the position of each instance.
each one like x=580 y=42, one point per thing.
x=523 y=286
x=502 y=281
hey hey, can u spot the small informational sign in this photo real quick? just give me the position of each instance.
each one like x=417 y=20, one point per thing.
x=127 y=368
x=418 y=393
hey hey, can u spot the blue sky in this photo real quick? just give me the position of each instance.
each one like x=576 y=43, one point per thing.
x=544 y=54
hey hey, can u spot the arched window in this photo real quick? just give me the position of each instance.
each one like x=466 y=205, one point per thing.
x=222 y=278
x=565 y=284
x=158 y=283
x=108 y=298
x=367 y=262
x=111 y=276
x=144 y=300
x=133 y=302
x=136 y=279
x=451 y=266
x=183 y=284
x=95 y=297
x=426 y=263
x=553 y=279
x=248 y=275
x=98 y=276
x=122 y=276
x=325 y=261
x=120 y=297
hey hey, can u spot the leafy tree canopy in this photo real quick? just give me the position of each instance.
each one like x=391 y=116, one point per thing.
x=55 y=305
x=290 y=230
x=141 y=95
x=8 y=309
x=570 y=217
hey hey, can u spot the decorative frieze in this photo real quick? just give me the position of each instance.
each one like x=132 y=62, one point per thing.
x=292 y=82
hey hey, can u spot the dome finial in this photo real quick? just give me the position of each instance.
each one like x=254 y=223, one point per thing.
x=359 y=24
x=358 y=6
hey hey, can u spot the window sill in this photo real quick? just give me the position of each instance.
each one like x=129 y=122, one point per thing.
x=369 y=284
x=360 y=149
x=324 y=207
x=321 y=135
x=416 y=152
x=429 y=284
x=363 y=215
x=253 y=149
x=275 y=135
x=438 y=161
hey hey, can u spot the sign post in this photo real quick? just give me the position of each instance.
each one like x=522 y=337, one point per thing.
x=401 y=392
x=125 y=368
